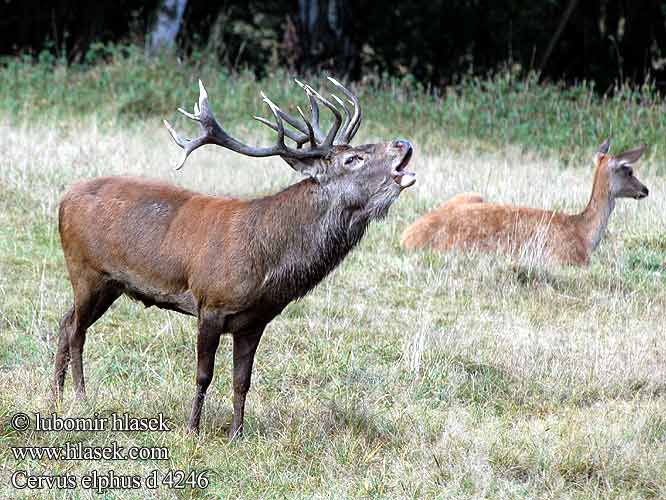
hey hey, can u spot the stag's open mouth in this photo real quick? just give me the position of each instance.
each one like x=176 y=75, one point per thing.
x=404 y=178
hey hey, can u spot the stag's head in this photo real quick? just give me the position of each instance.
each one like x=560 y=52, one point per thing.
x=619 y=172
x=368 y=177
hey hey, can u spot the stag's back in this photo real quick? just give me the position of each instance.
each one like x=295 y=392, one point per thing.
x=112 y=219
x=143 y=234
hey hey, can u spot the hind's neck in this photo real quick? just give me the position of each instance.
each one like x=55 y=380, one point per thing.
x=593 y=220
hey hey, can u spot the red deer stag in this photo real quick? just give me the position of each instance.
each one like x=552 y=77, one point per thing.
x=467 y=221
x=233 y=264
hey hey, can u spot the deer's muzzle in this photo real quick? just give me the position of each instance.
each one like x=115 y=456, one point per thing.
x=404 y=178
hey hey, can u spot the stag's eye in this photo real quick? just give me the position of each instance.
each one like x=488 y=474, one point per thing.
x=628 y=171
x=352 y=159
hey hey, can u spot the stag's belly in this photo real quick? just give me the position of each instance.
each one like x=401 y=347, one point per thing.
x=173 y=300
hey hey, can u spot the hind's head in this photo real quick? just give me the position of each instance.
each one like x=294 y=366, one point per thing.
x=618 y=172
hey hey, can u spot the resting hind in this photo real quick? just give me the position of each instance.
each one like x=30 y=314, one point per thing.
x=468 y=222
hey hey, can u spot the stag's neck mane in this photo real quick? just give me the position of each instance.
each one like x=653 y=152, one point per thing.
x=317 y=232
x=593 y=220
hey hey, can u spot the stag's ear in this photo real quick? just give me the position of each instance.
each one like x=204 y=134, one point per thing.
x=311 y=167
x=629 y=157
x=602 y=151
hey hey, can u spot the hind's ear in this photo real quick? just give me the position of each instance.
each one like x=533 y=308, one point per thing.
x=602 y=151
x=605 y=147
x=629 y=157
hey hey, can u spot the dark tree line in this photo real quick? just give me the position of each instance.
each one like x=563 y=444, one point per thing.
x=436 y=41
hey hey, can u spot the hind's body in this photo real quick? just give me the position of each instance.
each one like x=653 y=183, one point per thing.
x=468 y=222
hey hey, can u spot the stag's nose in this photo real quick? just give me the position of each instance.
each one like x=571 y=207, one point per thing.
x=645 y=191
x=402 y=144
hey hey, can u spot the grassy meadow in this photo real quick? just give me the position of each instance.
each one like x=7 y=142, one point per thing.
x=402 y=375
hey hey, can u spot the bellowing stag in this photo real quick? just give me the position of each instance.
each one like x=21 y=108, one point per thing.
x=234 y=264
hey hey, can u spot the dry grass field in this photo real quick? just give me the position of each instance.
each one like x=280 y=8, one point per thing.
x=401 y=376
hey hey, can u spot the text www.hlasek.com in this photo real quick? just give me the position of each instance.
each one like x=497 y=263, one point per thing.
x=78 y=451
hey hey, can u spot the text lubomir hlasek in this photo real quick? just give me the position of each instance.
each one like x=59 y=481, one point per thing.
x=112 y=422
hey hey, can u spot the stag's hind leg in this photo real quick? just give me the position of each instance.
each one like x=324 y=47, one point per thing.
x=88 y=311
x=211 y=325
x=62 y=355
x=92 y=298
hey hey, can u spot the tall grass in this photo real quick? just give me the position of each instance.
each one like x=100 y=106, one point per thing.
x=119 y=85
x=447 y=376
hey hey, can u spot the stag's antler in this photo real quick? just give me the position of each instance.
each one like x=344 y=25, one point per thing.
x=213 y=133
x=306 y=131
x=353 y=123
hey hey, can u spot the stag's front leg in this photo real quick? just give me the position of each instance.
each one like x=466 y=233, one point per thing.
x=208 y=339
x=245 y=346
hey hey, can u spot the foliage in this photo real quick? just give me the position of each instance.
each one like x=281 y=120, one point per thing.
x=437 y=41
x=501 y=108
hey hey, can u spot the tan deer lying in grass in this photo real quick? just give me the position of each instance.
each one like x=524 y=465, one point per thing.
x=467 y=221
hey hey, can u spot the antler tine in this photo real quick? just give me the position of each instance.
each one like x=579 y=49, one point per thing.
x=336 y=113
x=298 y=138
x=355 y=122
x=281 y=147
x=313 y=138
x=187 y=144
x=345 y=124
x=293 y=121
x=280 y=125
x=278 y=120
x=191 y=116
x=313 y=123
x=314 y=110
